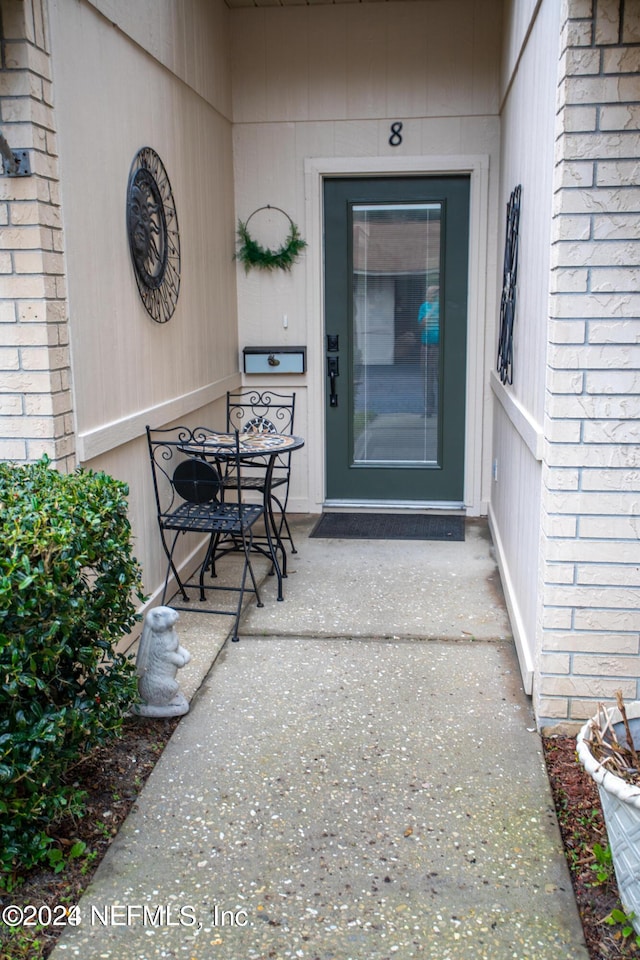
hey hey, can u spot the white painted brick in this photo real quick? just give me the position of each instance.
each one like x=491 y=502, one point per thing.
x=579 y=61
x=5 y=263
x=603 y=666
x=582 y=146
x=13 y=450
x=26 y=427
x=21 y=238
x=562 y=527
x=21 y=382
x=621 y=60
x=9 y=359
x=579 y=9
x=555 y=663
x=567 y=331
x=562 y=479
x=562 y=431
x=607 y=253
x=570 y=227
x=7 y=312
x=559 y=573
x=611 y=173
x=609 y=574
x=10 y=405
x=556 y=618
x=631 y=24
x=572 y=174
x=607 y=22
x=622 y=279
x=616 y=226
x=579 y=120
x=615 y=331
x=581 y=710
x=556 y=708
x=565 y=381
x=610 y=528
x=581 y=91
x=613 y=620
x=29 y=262
x=47 y=404
x=569 y=281
x=620 y=479
x=37 y=448
x=623 y=117
x=18 y=188
x=612 y=381
x=585 y=687
x=594 y=357
x=27 y=286
x=600 y=200
x=594 y=406
x=596 y=551
x=586 y=502
x=595 y=305
x=611 y=431
x=27 y=335
x=577 y=34
x=585 y=642
x=597 y=455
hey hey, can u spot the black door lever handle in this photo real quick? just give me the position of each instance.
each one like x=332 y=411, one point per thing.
x=334 y=372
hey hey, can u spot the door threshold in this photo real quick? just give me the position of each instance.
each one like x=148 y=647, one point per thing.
x=394 y=506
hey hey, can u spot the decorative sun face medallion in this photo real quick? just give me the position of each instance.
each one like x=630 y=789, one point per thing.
x=154 y=241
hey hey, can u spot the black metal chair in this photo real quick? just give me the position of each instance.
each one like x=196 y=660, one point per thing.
x=188 y=488
x=265 y=412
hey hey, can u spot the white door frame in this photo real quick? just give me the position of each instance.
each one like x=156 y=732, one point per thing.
x=477 y=166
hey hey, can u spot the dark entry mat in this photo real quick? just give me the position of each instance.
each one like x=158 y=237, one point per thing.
x=388 y=526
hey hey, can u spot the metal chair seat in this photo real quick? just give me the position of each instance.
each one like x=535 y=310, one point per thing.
x=198 y=518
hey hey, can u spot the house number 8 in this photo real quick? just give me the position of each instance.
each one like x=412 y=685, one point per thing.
x=396 y=137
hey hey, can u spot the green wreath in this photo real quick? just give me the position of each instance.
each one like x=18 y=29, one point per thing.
x=251 y=254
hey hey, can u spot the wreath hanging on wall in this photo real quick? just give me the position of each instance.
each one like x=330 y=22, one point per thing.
x=252 y=254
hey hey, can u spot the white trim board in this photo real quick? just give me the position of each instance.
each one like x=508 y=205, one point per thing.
x=108 y=436
x=528 y=428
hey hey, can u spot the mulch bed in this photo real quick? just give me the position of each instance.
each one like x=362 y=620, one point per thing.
x=582 y=827
x=114 y=776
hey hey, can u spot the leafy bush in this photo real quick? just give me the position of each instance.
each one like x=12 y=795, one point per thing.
x=67 y=586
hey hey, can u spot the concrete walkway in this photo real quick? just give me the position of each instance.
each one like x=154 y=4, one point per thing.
x=358 y=779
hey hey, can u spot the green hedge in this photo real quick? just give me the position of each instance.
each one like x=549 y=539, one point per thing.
x=68 y=582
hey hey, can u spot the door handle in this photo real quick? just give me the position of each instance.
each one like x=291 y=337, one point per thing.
x=333 y=371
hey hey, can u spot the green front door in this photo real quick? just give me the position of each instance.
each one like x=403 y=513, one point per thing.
x=396 y=258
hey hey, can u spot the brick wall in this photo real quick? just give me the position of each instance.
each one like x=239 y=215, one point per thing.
x=35 y=390
x=591 y=498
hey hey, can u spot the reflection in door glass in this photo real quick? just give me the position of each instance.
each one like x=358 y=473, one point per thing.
x=396 y=333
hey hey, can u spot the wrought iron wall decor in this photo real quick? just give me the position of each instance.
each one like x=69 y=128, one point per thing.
x=509 y=279
x=154 y=239
x=251 y=254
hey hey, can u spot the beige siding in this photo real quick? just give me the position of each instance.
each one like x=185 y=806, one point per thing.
x=112 y=97
x=325 y=83
x=531 y=61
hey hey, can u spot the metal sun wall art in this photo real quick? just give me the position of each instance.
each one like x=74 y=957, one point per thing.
x=154 y=240
x=509 y=280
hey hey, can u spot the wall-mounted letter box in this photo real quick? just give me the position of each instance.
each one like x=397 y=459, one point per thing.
x=275 y=359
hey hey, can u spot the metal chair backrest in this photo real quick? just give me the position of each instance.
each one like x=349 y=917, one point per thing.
x=264 y=411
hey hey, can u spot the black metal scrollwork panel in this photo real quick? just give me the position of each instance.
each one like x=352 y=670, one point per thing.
x=154 y=240
x=508 y=299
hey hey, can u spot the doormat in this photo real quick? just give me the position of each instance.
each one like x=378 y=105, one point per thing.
x=388 y=526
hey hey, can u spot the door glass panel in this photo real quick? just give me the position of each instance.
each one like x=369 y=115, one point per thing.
x=396 y=334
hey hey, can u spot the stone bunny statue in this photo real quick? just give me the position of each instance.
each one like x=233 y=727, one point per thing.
x=159 y=657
